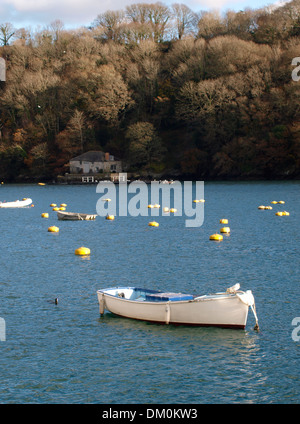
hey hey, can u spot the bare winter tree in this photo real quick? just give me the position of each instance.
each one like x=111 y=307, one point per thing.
x=110 y=22
x=7 y=31
x=154 y=15
x=56 y=27
x=185 y=20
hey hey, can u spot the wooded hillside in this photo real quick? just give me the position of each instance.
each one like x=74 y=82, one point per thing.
x=169 y=91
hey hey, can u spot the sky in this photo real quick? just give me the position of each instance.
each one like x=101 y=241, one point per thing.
x=38 y=14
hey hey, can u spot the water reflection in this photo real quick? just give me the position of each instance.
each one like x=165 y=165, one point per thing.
x=203 y=359
x=239 y=340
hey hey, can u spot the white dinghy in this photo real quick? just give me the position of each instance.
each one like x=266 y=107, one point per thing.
x=228 y=309
x=16 y=204
x=75 y=216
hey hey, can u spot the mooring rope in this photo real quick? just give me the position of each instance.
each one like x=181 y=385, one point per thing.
x=256 y=327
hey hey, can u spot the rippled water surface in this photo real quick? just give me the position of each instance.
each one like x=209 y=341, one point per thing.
x=67 y=353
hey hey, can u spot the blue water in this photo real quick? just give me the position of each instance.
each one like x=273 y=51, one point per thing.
x=67 y=353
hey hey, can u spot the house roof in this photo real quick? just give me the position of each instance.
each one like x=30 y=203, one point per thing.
x=91 y=156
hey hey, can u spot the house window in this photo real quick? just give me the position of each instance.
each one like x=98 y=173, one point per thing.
x=87 y=179
x=113 y=167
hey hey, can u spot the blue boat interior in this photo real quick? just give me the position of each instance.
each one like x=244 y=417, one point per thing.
x=147 y=295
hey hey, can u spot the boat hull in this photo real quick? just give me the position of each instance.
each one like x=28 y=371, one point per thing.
x=74 y=216
x=226 y=310
x=16 y=204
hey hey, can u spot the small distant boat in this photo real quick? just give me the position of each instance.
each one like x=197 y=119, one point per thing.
x=75 y=216
x=228 y=309
x=16 y=204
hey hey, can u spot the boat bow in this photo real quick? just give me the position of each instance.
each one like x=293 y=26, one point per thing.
x=248 y=298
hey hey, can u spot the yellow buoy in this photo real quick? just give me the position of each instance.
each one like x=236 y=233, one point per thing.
x=41 y=184
x=166 y=209
x=173 y=210
x=225 y=230
x=110 y=217
x=153 y=224
x=274 y=201
x=268 y=207
x=53 y=205
x=106 y=200
x=223 y=221
x=55 y=209
x=53 y=229
x=45 y=215
x=63 y=205
x=281 y=202
x=61 y=208
x=156 y=206
x=216 y=237
x=284 y=213
x=83 y=251
x=150 y=206
x=261 y=207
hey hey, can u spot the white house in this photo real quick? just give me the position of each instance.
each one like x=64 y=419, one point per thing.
x=95 y=162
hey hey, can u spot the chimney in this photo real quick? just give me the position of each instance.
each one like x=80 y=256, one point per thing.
x=107 y=157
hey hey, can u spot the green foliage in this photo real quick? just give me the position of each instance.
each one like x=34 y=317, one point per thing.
x=145 y=146
x=11 y=162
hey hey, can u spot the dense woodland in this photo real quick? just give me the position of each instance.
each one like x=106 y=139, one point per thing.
x=169 y=91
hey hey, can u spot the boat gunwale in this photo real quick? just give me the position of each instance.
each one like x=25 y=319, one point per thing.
x=204 y=298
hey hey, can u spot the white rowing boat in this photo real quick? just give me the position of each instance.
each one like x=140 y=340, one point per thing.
x=228 y=309
x=16 y=204
x=75 y=216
